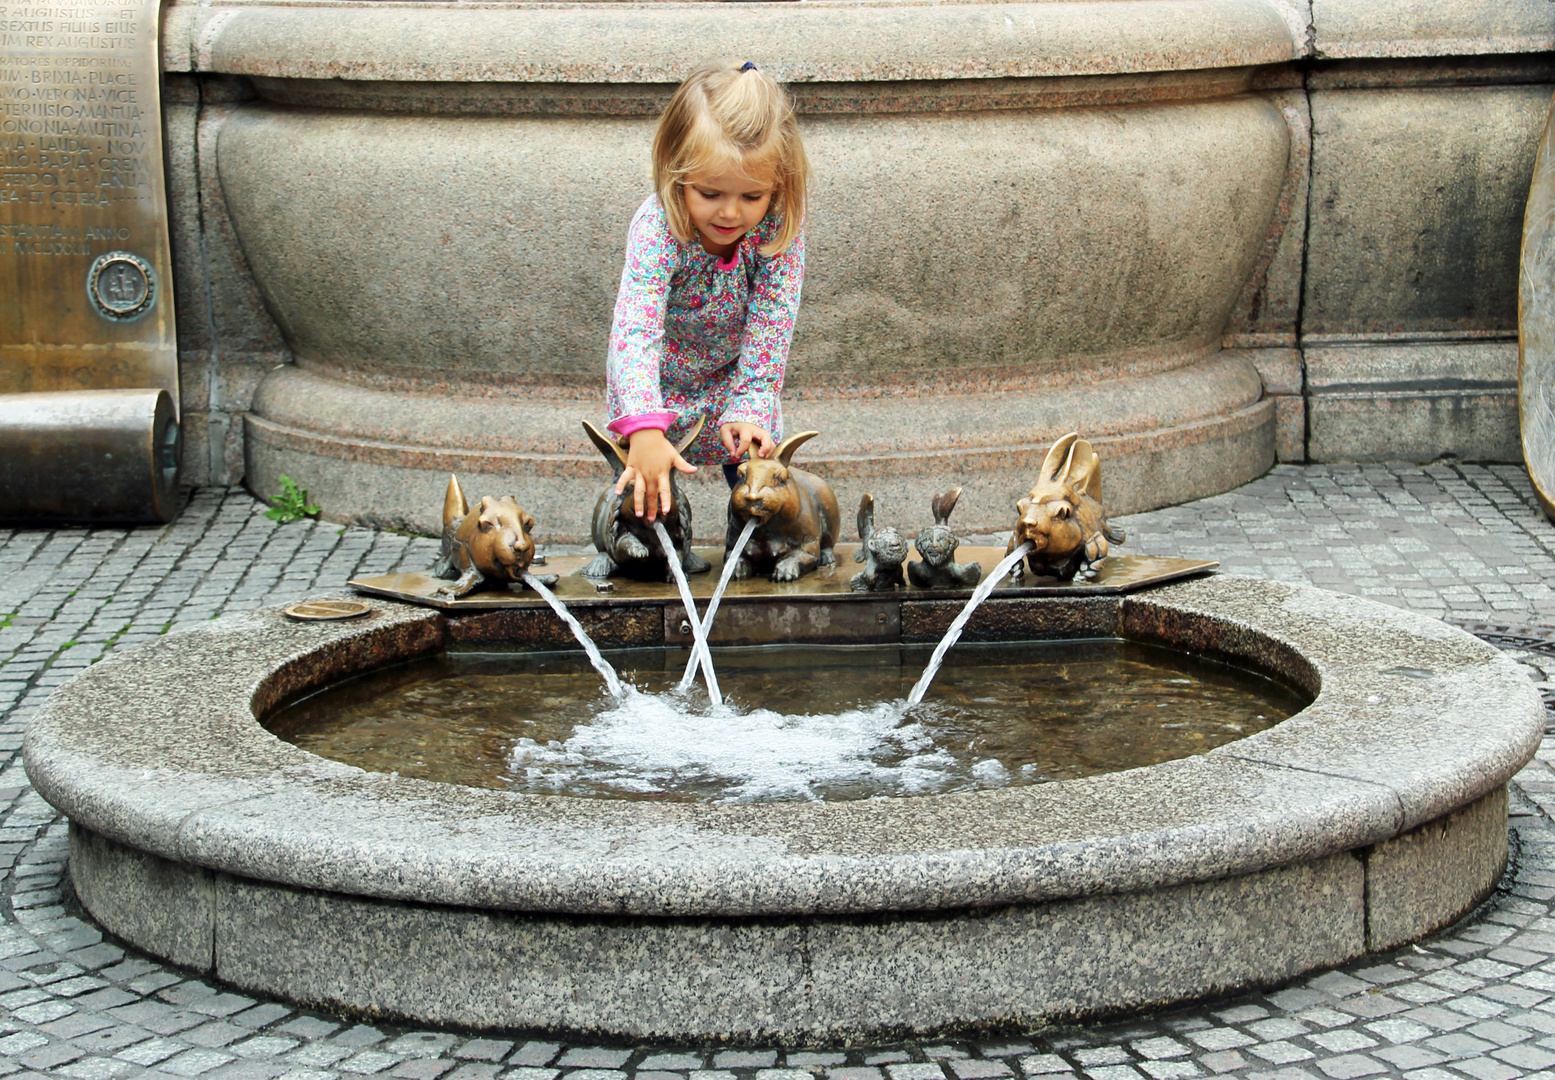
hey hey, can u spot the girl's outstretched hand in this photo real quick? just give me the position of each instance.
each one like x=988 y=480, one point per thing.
x=649 y=458
x=737 y=437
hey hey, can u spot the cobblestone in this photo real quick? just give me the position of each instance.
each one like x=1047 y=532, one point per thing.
x=1460 y=542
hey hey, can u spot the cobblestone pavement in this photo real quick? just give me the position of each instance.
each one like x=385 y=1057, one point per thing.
x=1476 y=1001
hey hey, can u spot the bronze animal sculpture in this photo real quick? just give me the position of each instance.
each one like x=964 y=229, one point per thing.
x=489 y=546
x=937 y=545
x=627 y=543
x=796 y=515
x=883 y=551
x=1062 y=515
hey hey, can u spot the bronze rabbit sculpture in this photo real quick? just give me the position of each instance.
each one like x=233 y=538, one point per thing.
x=1062 y=515
x=627 y=544
x=489 y=546
x=937 y=545
x=796 y=515
x=883 y=551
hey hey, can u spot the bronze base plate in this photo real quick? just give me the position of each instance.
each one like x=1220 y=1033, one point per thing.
x=1115 y=574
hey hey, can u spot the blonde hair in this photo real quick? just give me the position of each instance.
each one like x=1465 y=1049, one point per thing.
x=726 y=117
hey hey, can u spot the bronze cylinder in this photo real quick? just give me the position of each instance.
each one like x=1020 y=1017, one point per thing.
x=89 y=455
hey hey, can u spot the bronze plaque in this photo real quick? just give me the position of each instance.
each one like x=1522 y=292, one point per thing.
x=85 y=268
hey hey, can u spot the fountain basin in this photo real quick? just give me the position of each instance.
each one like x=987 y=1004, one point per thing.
x=1370 y=818
x=798 y=722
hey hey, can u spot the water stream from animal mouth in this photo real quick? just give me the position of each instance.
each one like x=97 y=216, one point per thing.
x=712 y=605
x=698 y=632
x=701 y=655
x=953 y=635
x=601 y=665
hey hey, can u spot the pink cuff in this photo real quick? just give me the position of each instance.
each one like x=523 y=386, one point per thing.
x=734 y=260
x=628 y=424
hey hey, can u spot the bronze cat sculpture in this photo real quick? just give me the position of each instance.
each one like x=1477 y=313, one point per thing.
x=1062 y=515
x=796 y=515
x=489 y=546
x=937 y=545
x=627 y=544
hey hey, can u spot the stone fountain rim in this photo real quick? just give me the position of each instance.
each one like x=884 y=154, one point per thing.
x=188 y=774
x=816 y=42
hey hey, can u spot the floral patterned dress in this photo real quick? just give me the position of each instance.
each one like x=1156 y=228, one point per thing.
x=694 y=334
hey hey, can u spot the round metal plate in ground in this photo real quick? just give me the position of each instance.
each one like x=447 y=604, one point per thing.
x=327 y=610
x=122 y=286
x=1539 y=640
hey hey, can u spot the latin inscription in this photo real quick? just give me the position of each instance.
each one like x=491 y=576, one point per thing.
x=75 y=127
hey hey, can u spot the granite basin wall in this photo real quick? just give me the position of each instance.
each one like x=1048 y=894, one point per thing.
x=1370 y=818
x=932 y=326
x=992 y=260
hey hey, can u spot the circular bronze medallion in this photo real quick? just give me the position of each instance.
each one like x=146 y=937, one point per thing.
x=122 y=286
x=326 y=610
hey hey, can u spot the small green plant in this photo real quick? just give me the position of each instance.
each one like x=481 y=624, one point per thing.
x=291 y=504
x=5 y=619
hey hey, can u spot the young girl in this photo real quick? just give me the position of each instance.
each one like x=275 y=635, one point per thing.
x=714 y=264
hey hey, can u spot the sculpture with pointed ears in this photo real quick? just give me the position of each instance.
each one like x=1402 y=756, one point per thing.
x=627 y=544
x=1062 y=515
x=796 y=515
x=488 y=546
x=882 y=551
x=937 y=545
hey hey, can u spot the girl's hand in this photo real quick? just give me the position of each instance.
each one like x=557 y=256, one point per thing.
x=736 y=437
x=649 y=458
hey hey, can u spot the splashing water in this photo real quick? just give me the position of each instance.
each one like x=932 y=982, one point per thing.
x=800 y=722
x=601 y=665
x=953 y=635
x=651 y=743
x=698 y=634
x=730 y=559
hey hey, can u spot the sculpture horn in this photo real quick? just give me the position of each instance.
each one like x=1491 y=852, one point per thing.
x=786 y=448
x=866 y=517
x=1084 y=471
x=690 y=437
x=615 y=455
x=943 y=504
x=455 y=505
x=1053 y=465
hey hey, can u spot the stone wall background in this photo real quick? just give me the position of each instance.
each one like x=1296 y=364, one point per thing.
x=1381 y=314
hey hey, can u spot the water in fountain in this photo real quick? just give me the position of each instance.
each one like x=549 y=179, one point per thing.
x=698 y=634
x=799 y=721
x=601 y=665
x=730 y=559
x=953 y=635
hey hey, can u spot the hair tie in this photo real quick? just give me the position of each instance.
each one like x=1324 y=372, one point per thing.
x=747 y=66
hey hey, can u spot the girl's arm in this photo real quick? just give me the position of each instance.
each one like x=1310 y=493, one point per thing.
x=634 y=398
x=769 y=330
x=637 y=329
